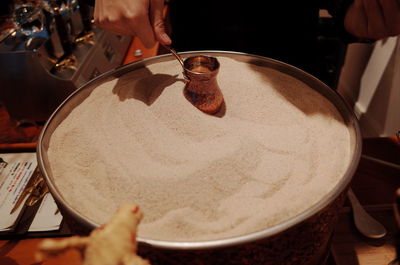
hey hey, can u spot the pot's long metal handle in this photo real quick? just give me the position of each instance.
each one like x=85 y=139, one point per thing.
x=177 y=56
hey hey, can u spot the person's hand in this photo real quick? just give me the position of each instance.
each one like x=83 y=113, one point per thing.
x=373 y=19
x=141 y=18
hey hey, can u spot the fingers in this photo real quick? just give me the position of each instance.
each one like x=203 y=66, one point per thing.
x=376 y=26
x=157 y=21
x=391 y=11
x=373 y=19
x=141 y=18
x=144 y=31
x=355 y=20
x=125 y=17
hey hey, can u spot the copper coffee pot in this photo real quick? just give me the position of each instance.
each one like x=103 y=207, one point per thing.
x=201 y=88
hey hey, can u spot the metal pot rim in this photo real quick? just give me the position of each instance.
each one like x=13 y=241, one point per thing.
x=346 y=112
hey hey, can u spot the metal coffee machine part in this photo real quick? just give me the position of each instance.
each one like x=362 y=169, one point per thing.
x=48 y=51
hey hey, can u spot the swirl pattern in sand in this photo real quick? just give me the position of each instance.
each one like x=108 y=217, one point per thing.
x=277 y=148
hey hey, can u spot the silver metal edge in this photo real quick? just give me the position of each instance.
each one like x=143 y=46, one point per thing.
x=346 y=112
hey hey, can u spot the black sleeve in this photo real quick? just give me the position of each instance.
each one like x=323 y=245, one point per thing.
x=5 y=8
x=88 y=2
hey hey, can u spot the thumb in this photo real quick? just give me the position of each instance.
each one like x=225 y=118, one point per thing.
x=157 y=21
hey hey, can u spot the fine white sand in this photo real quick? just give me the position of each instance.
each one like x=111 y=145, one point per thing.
x=277 y=150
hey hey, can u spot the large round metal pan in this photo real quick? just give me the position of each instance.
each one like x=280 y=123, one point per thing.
x=82 y=93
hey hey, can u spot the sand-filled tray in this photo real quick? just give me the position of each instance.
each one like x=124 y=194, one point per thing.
x=282 y=149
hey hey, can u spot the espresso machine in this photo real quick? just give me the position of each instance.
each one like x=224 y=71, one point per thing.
x=48 y=49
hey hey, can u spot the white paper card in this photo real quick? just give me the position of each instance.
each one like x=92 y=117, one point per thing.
x=15 y=172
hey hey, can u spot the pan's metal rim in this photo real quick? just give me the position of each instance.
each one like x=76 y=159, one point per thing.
x=227 y=242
